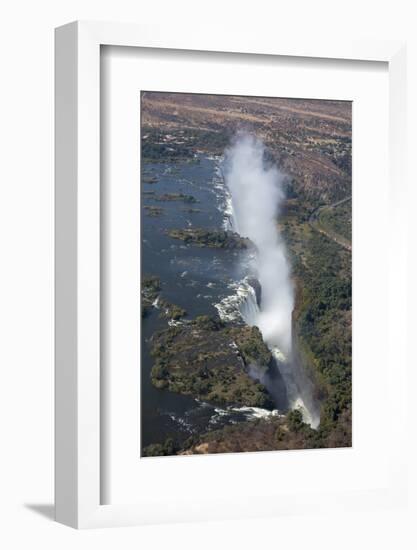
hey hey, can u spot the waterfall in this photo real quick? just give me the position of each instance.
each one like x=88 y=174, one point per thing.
x=253 y=196
x=241 y=305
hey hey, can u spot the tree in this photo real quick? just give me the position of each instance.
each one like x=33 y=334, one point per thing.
x=295 y=420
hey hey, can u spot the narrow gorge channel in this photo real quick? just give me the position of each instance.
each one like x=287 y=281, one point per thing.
x=265 y=296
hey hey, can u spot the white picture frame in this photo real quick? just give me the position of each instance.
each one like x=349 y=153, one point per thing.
x=78 y=404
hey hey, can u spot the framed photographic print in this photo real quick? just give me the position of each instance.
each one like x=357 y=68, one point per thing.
x=226 y=276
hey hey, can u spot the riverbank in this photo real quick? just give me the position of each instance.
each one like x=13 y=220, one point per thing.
x=210 y=361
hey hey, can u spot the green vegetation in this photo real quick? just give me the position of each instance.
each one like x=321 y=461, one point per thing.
x=251 y=345
x=164 y=152
x=169 y=447
x=206 y=359
x=149 y=179
x=210 y=238
x=167 y=197
x=265 y=434
x=151 y=287
x=170 y=311
x=338 y=220
x=323 y=326
x=153 y=211
x=192 y=210
x=151 y=293
x=180 y=145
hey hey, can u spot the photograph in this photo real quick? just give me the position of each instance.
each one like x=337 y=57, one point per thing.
x=246 y=273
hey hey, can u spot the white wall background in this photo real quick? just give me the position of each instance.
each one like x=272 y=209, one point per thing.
x=26 y=269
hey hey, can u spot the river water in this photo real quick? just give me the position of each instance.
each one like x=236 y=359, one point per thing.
x=203 y=281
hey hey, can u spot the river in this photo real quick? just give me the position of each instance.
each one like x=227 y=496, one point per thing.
x=203 y=281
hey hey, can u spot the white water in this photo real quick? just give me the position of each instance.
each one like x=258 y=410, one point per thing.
x=241 y=304
x=295 y=401
x=256 y=195
x=252 y=201
x=250 y=413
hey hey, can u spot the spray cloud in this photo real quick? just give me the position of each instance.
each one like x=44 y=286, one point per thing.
x=257 y=194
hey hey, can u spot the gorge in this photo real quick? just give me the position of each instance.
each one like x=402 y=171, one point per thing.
x=254 y=202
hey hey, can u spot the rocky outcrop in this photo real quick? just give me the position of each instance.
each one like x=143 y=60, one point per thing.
x=210 y=361
x=210 y=238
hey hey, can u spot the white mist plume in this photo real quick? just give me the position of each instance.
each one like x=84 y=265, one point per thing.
x=256 y=194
